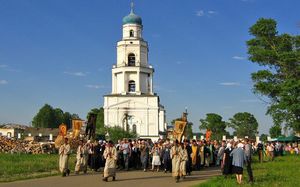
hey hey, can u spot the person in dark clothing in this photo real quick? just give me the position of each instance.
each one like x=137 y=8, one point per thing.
x=260 y=149
x=189 y=161
x=227 y=161
x=248 y=153
x=166 y=157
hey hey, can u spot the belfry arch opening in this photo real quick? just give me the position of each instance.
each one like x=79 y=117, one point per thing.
x=131 y=86
x=131 y=59
x=131 y=33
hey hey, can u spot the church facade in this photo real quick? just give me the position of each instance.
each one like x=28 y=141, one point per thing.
x=132 y=103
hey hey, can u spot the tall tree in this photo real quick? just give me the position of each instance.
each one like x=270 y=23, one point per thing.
x=67 y=117
x=244 y=124
x=45 y=118
x=275 y=131
x=280 y=80
x=215 y=123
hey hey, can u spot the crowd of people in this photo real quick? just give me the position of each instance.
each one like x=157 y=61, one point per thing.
x=178 y=158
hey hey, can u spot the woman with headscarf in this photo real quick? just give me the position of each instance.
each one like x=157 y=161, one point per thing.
x=227 y=161
x=156 y=156
x=238 y=159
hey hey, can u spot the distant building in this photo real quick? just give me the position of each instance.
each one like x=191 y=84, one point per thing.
x=40 y=134
x=12 y=130
x=17 y=131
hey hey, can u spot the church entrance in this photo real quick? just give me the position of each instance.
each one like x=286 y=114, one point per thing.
x=130 y=123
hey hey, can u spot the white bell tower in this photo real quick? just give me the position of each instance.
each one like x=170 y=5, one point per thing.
x=132 y=74
x=132 y=103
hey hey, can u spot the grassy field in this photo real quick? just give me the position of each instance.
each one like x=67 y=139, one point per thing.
x=283 y=172
x=25 y=166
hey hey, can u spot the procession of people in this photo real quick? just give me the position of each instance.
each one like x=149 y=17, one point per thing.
x=178 y=158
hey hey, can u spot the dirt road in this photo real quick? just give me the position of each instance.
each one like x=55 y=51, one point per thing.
x=123 y=179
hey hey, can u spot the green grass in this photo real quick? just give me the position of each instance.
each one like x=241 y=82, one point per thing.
x=283 y=172
x=26 y=166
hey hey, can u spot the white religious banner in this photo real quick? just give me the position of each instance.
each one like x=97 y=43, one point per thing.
x=235 y=138
x=40 y=134
x=201 y=137
x=224 y=137
x=50 y=137
x=29 y=134
x=19 y=135
x=194 y=137
x=257 y=139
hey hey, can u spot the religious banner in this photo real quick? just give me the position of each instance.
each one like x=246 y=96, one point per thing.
x=62 y=129
x=208 y=134
x=179 y=128
x=76 y=126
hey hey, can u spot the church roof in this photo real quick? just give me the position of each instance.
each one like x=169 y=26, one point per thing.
x=132 y=18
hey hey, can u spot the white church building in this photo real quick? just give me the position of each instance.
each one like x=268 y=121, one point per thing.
x=132 y=103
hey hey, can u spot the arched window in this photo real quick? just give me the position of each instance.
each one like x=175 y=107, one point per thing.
x=134 y=128
x=131 y=59
x=131 y=33
x=131 y=86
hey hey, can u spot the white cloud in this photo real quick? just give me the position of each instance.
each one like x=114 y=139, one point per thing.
x=94 y=86
x=3 y=82
x=79 y=74
x=230 y=83
x=212 y=12
x=239 y=57
x=3 y=66
x=209 y=13
x=179 y=62
x=200 y=13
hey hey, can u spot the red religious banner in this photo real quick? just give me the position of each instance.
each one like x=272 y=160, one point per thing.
x=208 y=134
x=62 y=129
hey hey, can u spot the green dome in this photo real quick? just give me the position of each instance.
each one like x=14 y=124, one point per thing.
x=132 y=18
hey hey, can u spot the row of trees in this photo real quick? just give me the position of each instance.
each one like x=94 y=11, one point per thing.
x=49 y=117
x=243 y=123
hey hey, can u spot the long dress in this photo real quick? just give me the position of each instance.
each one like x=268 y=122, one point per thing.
x=64 y=152
x=176 y=159
x=228 y=162
x=81 y=159
x=156 y=156
x=183 y=162
x=110 y=154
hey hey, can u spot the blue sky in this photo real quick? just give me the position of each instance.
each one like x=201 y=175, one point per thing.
x=61 y=52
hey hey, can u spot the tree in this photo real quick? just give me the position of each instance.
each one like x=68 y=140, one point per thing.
x=280 y=80
x=214 y=123
x=244 y=124
x=275 y=131
x=45 y=118
x=118 y=133
x=188 y=129
x=263 y=137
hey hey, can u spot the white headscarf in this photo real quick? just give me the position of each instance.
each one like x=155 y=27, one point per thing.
x=228 y=146
x=240 y=145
